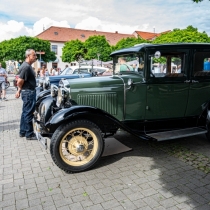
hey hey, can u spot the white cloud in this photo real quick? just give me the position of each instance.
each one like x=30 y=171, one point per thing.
x=14 y=29
x=93 y=23
x=46 y=23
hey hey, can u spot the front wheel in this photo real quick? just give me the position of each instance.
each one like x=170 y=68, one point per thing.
x=208 y=135
x=76 y=146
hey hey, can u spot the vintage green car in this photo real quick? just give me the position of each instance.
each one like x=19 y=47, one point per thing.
x=156 y=92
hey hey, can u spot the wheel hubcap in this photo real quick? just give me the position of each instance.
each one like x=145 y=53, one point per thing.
x=78 y=146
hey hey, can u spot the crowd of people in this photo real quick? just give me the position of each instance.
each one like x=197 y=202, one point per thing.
x=43 y=71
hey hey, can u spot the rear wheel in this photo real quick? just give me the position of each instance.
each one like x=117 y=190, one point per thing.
x=77 y=146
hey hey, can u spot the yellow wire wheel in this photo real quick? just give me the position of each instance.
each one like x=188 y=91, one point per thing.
x=78 y=146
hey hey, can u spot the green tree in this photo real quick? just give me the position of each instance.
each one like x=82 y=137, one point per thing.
x=197 y=1
x=129 y=42
x=14 y=49
x=188 y=35
x=97 y=44
x=72 y=50
x=3 y=64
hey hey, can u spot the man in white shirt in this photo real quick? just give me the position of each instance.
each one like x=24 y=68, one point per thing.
x=3 y=75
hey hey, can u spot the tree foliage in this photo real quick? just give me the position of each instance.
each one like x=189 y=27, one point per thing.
x=197 y=1
x=89 y=49
x=3 y=64
x=72 y=50
x=97 y=44
x=129 y=42
x=14 y=49
x=188 y=35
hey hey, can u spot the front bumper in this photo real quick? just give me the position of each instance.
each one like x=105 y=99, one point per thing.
x=40 y=137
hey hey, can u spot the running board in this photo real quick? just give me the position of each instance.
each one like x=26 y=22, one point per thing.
x=175 y=134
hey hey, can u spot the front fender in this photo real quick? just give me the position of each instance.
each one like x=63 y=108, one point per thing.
x=106 y=122
x=98 y=116
x=40 y=97
x=45 y=109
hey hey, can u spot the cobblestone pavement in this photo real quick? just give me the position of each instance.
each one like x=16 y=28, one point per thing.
x=167 y=175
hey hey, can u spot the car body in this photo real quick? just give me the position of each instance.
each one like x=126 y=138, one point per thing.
x=153 y=104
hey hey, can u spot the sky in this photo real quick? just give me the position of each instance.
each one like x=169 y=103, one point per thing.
x=29 y=18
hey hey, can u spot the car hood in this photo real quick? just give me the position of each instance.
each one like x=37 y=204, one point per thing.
x=55 y=79
x=102 y=82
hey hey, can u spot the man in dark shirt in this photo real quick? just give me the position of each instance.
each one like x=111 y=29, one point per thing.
x=26 y=86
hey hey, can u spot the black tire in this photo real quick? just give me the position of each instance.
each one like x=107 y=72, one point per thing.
x=208 y=136
x=69 y=138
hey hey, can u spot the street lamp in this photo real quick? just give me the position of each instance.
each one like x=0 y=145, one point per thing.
x=80 y=60
x=40 y=53
x=98 y=54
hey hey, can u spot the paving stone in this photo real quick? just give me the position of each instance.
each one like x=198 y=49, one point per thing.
x=110 y=204
x=22 y=204
x=94 y=207
x=96 y=198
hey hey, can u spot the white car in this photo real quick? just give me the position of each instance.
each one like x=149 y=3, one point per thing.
x=94 y=70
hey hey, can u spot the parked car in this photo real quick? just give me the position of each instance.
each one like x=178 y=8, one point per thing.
x=73 y=72
x=80 y=114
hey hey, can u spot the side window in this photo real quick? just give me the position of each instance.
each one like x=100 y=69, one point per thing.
x=201 y=64
x=83 y=71
x=168 y=65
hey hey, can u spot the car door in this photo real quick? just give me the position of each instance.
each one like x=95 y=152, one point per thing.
x=167 y=84
x=199 y=92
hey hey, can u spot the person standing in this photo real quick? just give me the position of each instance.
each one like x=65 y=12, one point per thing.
x=3 y=75
x=207 y=65
x=123 y=65
x=42 y=71
x=26 y=87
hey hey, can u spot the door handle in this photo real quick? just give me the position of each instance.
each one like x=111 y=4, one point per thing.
x=195 y=81
x=187 y=81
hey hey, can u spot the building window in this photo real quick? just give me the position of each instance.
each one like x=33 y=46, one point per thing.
x=56 y=33
x=54 y=48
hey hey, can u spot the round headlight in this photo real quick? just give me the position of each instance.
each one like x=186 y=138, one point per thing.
x=54 y=90
x=41 y=82
x=42 y=109
x=59 y=98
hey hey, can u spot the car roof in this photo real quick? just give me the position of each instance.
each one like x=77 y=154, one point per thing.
x=138 y=47
x=88 y=67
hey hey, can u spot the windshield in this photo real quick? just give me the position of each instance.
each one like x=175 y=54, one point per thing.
x=66 y=71
x=129 y=63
